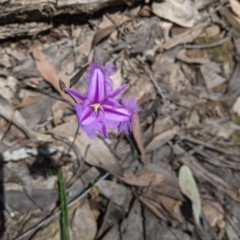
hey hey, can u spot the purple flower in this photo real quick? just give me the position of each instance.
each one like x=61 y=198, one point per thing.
x=99 y=108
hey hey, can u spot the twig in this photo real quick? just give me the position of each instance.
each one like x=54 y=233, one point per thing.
x=209 y=146
x=148 y=71
x=213 y=160
x=57 y=214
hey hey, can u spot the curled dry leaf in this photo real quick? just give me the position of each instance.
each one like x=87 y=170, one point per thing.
x=189 y=188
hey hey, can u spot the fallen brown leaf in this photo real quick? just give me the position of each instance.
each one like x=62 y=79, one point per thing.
x=27 y=101
x=132 y=226
x=101 y=34
x=213 y=212
x=49 y=73
x=231 y=18
x=143 y=179
x=137 y=133
x=11 y=114
x=84 y=225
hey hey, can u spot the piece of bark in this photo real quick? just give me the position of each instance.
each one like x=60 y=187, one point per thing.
x=28 y=18
x=28 y=10
x=25 y=29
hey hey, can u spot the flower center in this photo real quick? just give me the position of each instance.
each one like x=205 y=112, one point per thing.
x=96 y=107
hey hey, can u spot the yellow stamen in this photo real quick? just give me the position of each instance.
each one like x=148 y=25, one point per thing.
x=96 y=106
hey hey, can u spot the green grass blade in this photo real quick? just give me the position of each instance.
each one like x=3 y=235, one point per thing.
x=64 y=206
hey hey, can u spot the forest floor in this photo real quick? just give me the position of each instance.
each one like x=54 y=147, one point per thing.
x=176 y=176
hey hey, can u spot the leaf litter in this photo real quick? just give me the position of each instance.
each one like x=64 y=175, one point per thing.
x=176 y=176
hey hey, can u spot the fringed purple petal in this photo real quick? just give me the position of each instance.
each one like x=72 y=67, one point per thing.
x=119 y=91
x=89 y=123
x=100 y=85
x=112 y=102
x=92 y=131
x=97 y=89
x=75 y=94
x=104 y=132
x=109 y=69
x=132 y=106
x=115 y=114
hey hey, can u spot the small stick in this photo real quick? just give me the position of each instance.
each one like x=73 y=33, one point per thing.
x=149 y=73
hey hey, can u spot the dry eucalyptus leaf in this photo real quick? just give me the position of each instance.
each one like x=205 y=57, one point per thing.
x=38 y=111
x=231 y=232
x=83 y=224
x=132 y=226
x=101 y=34
x=232 y=19
x=106 y=22
x=96 y=151
x=183 y=56
x=211 y=74
x=143 y=180
x=154 y=227
x=27 y=101
x=57 y=111
x=236 y=106
x=14 y=116
x=213 y=212
x=137 y=133
x=137 y=88
x=112 y=234
x=43 y=198
x=181 y=12
x=235 y=6
x=185 y=37
x=189 y=188
x=118 y=193
x=162 y=138
x=49 y=73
